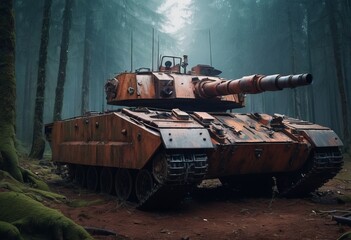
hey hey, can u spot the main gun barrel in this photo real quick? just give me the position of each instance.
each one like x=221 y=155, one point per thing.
x=208 y=88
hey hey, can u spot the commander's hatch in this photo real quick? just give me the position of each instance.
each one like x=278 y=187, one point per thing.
x=172 y=64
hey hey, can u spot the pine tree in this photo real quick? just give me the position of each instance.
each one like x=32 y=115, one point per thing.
x=38 y=143
x=8 y=154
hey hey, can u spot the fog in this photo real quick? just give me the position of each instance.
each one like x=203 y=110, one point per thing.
x=241 y=37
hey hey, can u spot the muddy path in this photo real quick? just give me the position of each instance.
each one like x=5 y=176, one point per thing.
x=233 y=218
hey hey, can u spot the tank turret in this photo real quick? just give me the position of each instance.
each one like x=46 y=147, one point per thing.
x=200 y=89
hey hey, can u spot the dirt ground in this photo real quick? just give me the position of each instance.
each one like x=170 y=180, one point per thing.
x=215 y=213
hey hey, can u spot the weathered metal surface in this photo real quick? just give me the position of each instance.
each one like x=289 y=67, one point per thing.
x=164 y=86
x=179 y=114
x=242 y=144
x=209 y=87
x=145 y=86
x=193 y=92
x=105 y=140
x=179 y=132
x=241 y=128
x=245 y=145
x=161 y=119
x=204 y=117
x=256 y=159
x=172 y=90
x=182 y=138
x=324 y=138
x=127 y=88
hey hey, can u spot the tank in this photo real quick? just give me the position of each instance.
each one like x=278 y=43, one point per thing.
x=176 y=128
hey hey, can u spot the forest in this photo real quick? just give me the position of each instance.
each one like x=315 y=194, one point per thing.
x=83 y=43
x=57 y=55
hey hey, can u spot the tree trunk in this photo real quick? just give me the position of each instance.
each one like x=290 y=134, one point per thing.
x=86 y=63
x=295 y=97
x=8 y=154
x=67 y=17
x=346 y=28
x=309 y=46
x=38 y=143
x=338 y=67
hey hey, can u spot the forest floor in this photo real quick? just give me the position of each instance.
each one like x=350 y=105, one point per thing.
x=213 y=213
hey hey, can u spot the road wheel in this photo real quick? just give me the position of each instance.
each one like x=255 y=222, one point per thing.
x=123 y=184
x=80 y=175
x=106 y=180
x=92 y=178
x=143 y=184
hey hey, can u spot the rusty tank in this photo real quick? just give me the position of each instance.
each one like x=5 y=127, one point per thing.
x=177 y=128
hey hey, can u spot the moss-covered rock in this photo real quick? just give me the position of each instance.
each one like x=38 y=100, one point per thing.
x=33 y=218
x=9 y=231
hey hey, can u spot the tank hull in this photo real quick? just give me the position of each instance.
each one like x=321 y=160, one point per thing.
x=250 y=145
x=109 y=140
x=160 y=154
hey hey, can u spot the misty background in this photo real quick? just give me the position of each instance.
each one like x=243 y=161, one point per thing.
x=239 y=37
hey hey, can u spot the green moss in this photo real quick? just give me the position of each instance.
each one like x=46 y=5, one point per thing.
x=9 y=231
x=8 y=153
x=10 y=187
x=31 y=217
x=345 y=236
x=49 y=195
x=83 y=203
x=11 y=184
x=344 y=198
x=35 y=182
x=10 y=159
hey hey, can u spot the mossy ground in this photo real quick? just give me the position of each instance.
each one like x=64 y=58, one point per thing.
x=32 y=218
x=9 y=231
x=84 y=203
x=8 y=183
x=22 y=214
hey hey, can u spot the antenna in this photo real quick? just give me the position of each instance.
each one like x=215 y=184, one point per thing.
x=152 y=54
x=158 y=52
x=103 y=100
x=131 y=51
x=209 y=40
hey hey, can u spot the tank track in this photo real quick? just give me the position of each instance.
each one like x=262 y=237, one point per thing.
x=324 y=164
x=184 y=168
x=183 y=171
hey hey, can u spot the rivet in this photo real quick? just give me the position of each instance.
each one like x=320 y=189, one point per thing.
x=130 y=90
x=124 y=131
